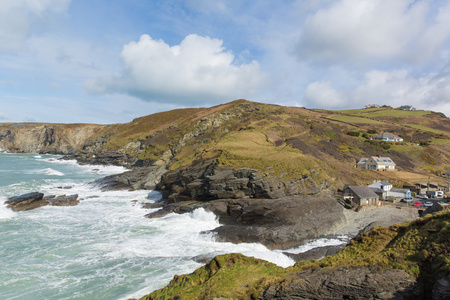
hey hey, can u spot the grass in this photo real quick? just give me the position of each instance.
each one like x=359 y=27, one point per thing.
x=351 y=119
x=226 y=276
x=396 y=113
x=424 y=128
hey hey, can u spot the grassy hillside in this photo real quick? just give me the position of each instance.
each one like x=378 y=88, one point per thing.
x=419 y=247
x=284 y=141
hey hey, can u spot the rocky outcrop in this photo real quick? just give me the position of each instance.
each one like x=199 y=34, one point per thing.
x=26 y=201
x=359 y=283
x=277 y=223
x=138 y=178
x=315 y=253
x=206 y=180
x=45 y=138
x=34 y=200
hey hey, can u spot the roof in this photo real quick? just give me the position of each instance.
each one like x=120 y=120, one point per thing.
x=386 y=135
x=363 y=191
x=383 y=160
x=379 y=184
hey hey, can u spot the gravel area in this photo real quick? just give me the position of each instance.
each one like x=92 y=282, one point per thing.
x=382 y=216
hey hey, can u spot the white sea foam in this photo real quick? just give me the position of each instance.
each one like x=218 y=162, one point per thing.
x=5 y=213
x=319 y=243
x=46 y=171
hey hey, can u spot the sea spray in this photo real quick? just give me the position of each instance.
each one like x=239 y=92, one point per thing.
x=103 y=248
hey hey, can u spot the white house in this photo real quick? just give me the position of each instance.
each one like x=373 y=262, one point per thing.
x=376 y=163
x=385 y=189
x=387 y=137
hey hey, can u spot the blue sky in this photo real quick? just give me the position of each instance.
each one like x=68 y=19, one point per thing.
x=111 y=61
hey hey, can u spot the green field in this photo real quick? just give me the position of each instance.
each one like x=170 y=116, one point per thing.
x=396 y=113
x=424 y=128
x=385 y=112
x=351 y=119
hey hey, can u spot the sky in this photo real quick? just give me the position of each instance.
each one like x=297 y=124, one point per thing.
x=110 y=61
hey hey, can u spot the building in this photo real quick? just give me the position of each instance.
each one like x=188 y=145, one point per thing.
x=361 y=195
x=372 y=106
x=406 y=107
x=387 y=137
x=381 y=188
x=376 y=163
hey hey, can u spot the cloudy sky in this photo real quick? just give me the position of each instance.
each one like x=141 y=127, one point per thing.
x=109 y=61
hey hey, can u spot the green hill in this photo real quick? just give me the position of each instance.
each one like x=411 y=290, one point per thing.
x=291 y=142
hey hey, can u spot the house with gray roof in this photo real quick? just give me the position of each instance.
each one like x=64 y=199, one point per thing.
x=387 y=137
x=361 y=195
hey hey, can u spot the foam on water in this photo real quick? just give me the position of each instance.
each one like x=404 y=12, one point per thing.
x=5 y=213
x=339 y=240
x=103 y=248
x=46 y=171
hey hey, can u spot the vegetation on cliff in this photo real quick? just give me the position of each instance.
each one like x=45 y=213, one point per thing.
x=419 y=247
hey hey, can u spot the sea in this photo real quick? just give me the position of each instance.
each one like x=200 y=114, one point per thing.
x=103 y=248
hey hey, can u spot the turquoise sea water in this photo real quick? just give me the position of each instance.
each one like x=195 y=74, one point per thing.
x=103 y=248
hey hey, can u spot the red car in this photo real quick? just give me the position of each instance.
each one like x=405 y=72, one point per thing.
x=417 y=204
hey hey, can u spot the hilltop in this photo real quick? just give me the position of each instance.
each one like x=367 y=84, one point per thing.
x=285 y=142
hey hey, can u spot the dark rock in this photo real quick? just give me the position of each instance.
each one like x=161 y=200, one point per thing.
x=441 y=289
x=204 y=180
x=204 y=258
x=138 y=178
x=316 y=253
x=26 y=201
x=358 y=283
x=64 y=200
x=180 y=207
x=277 y=223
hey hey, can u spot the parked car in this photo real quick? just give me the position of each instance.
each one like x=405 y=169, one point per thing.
x=428 y=203
x=422 y=196
x=407 y=200
x=440 y=193
x=417 y=204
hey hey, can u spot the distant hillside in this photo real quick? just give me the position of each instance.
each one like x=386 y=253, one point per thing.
x=286 y=142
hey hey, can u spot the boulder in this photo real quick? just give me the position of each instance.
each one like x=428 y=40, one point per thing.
x=26 y=201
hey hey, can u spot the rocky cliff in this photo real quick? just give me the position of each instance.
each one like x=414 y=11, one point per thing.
x=45 y=138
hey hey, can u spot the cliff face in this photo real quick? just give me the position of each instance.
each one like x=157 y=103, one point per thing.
x=45 y=138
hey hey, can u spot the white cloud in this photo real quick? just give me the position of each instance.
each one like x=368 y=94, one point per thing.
x=399 y=87
x=198 y=69
x=17 y=16
x=370 y=31
x=321 y=94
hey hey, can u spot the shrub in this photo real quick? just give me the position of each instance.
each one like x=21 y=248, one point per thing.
x=371 y=131
x=353 y=133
